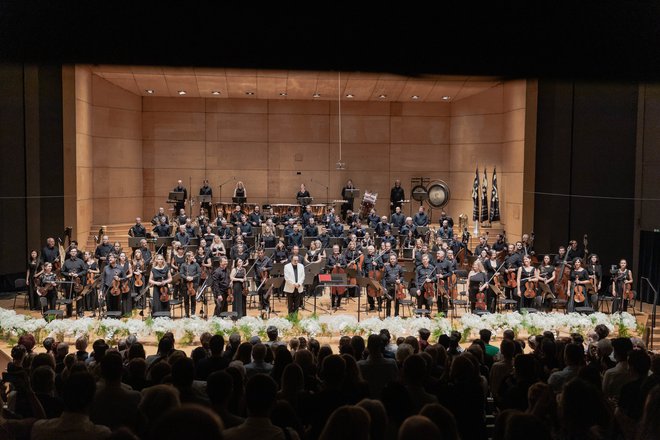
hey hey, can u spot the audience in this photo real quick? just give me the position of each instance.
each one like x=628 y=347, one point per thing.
x=417 y=389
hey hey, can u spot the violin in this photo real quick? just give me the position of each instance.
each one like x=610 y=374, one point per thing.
x=90 y=277
x=398 y=291
x=578 y=292
x=530 y=289
x=230 y=296
x=77 y=285
x=511 y=279
x=138 y=279
x=429 y=287
x=442 y=287
x=115 y=289
x=627 y=292
x=190 y=288
x=125 y=286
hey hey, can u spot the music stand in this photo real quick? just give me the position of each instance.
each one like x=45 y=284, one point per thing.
x=134 y=242
x=304 y=201
x=275 y=283
x=336 y=241
x=206 y=198
x=352 y=193
x=307 y=241
x=164 y=242
x=175 y=196
x=239 y=200
x=422 y=230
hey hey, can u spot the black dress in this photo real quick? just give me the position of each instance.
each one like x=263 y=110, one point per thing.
x=126 y=298
x=581 y=275
x=524 y=275
x=33 y=299
x=159 y=275
x=240 y=300
x=475 y=282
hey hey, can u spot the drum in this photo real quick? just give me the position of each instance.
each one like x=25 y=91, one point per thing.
x=368 y=202
x=318 y=211
x=279 y=209
x=248 y=208
x=296 y=210
x=223 y=210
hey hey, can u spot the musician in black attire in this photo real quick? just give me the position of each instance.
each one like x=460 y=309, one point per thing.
x=499 y=244
x=425 y=273
x=511 y=264
x=255 y=218
x=146 y=252
x=224 y=231
x=336 y=260
x=206 y=190
x=595 y=272
x=162 y=229
x=302 y=194
x=190 y=271
x=47 y=281
x=397 y=219
x=446 y=232
x=102 y=251
x=574 y=252
x=381 y=227
x=336 y=229
x=182 y=236
x=347 y=195
x=389 y=238
x=392 y=277
x=492 y=265
x=220 y=287
x=397 y=195
x=372 y=263
x=246 y=227
x=262 y=268
x=33 y=268
x=180 y=188
x=112 y=272
x=295 y=238
x=579 y=277
x=50 y=253
x=307 y=215
x=160 y=277
x=324 y=238
x=483 y=245
x=421 y=219
x=311 y=230
x=352 y=256
x=138 y=229
x=160 y=214
x=74 y=269
x=444 y=216
x=621 y=280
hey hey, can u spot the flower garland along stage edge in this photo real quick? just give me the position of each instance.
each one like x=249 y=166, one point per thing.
x=188 y=330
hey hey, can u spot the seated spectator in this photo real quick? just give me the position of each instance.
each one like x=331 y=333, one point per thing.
x=377 y=416
x=615 y=378
x=188 y=421
x=574 y=360
x=74 y=423
x=216 y=362
x=347 y=422
x=43 y=385
x=183 y=375
x=418 y=428
x=414 y=376
x=258 y=365
x=443 y=419
x=220 y=387
x=156 y=401
x=376 y=369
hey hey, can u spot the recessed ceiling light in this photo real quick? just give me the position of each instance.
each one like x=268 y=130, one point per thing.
x=249 y=93
x=149 y=91
x=215 y=92
x=349 y=95
x=316 y=95
x=282 y=93
x=446 y=98
x=415 y=96
x=382 y=97
x=181 y=92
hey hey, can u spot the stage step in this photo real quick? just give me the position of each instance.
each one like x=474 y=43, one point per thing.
x=115 y=232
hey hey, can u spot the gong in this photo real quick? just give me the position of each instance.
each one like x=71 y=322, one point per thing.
x=438 y=194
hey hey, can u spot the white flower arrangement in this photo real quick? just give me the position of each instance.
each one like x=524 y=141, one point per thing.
x=188 y=329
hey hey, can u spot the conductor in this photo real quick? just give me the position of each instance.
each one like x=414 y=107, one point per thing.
x=294 y=277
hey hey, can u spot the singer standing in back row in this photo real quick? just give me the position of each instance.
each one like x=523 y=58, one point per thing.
x=347 y=194
x=397 y=195
x=302 y=195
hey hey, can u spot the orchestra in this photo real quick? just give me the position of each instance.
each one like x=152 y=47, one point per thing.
x=247 y=245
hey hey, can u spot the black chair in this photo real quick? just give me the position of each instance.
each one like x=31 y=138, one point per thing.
x=21 y=287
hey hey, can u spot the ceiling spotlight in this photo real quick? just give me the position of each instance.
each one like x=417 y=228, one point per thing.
x=215 y=92
x=340 y=165
x=349 y=95
x=249 y=93
x=181 y=92
x=316 y=95
x=149 y=91
x=382 y=96
x=446 y=98
x=282 y=93
x=415 y=96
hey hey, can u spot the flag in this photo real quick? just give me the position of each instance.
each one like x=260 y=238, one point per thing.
x=484 y=199
x=475 y=196
x=494 y=200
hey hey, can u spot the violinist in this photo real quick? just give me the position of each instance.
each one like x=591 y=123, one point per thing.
x=622 y=281
x=397 y=219
x=239 y=252
x=238 y=278
x=182 y=236
x=191 y=273
x=499 y=244
x=220 y=287
x=224 y=231
x=527 y=280
x=112 y=275
x=366 y=241
x=419 y=253
x=477 y=285
x=483 y=245
x=75 y=270
x=492 y=265
x=337 y=263
x=155 y=220
x=425 y=276
x=126 y=297
x=579 y=278
x=206 y=190
x=146 y=252
x=92 y=298
x=527 y=245
x=547 y=276
x=176 y=261
x=512 y=262
x=139 y=268
x=262 y=267
x=392 y=281
x=33 y=269
x=217 y=248
x=371 y=269
x=159 y=279
x=47 y=281
x=595 y=272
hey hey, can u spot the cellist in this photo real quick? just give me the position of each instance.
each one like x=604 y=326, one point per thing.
x=425 y=283
x=336 y=264
x=372 y=269
x=354 y=261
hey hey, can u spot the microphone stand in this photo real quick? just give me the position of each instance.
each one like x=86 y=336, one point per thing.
x=223 y=183
x=327 y=190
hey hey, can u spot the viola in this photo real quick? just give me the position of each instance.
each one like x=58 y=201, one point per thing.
x=511 y=279
x=77 y=285
x=398 y=291
x=115 y=289
x=627 y=292
x=164 y=293
x=578 y=292
x=90 y=277
x=230 y=297
x=429 y=289
x=530 y=289
x=442 y=287
x=190 y=288
x=125 y=286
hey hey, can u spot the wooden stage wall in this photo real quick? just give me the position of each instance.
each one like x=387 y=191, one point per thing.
x=129 y=150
